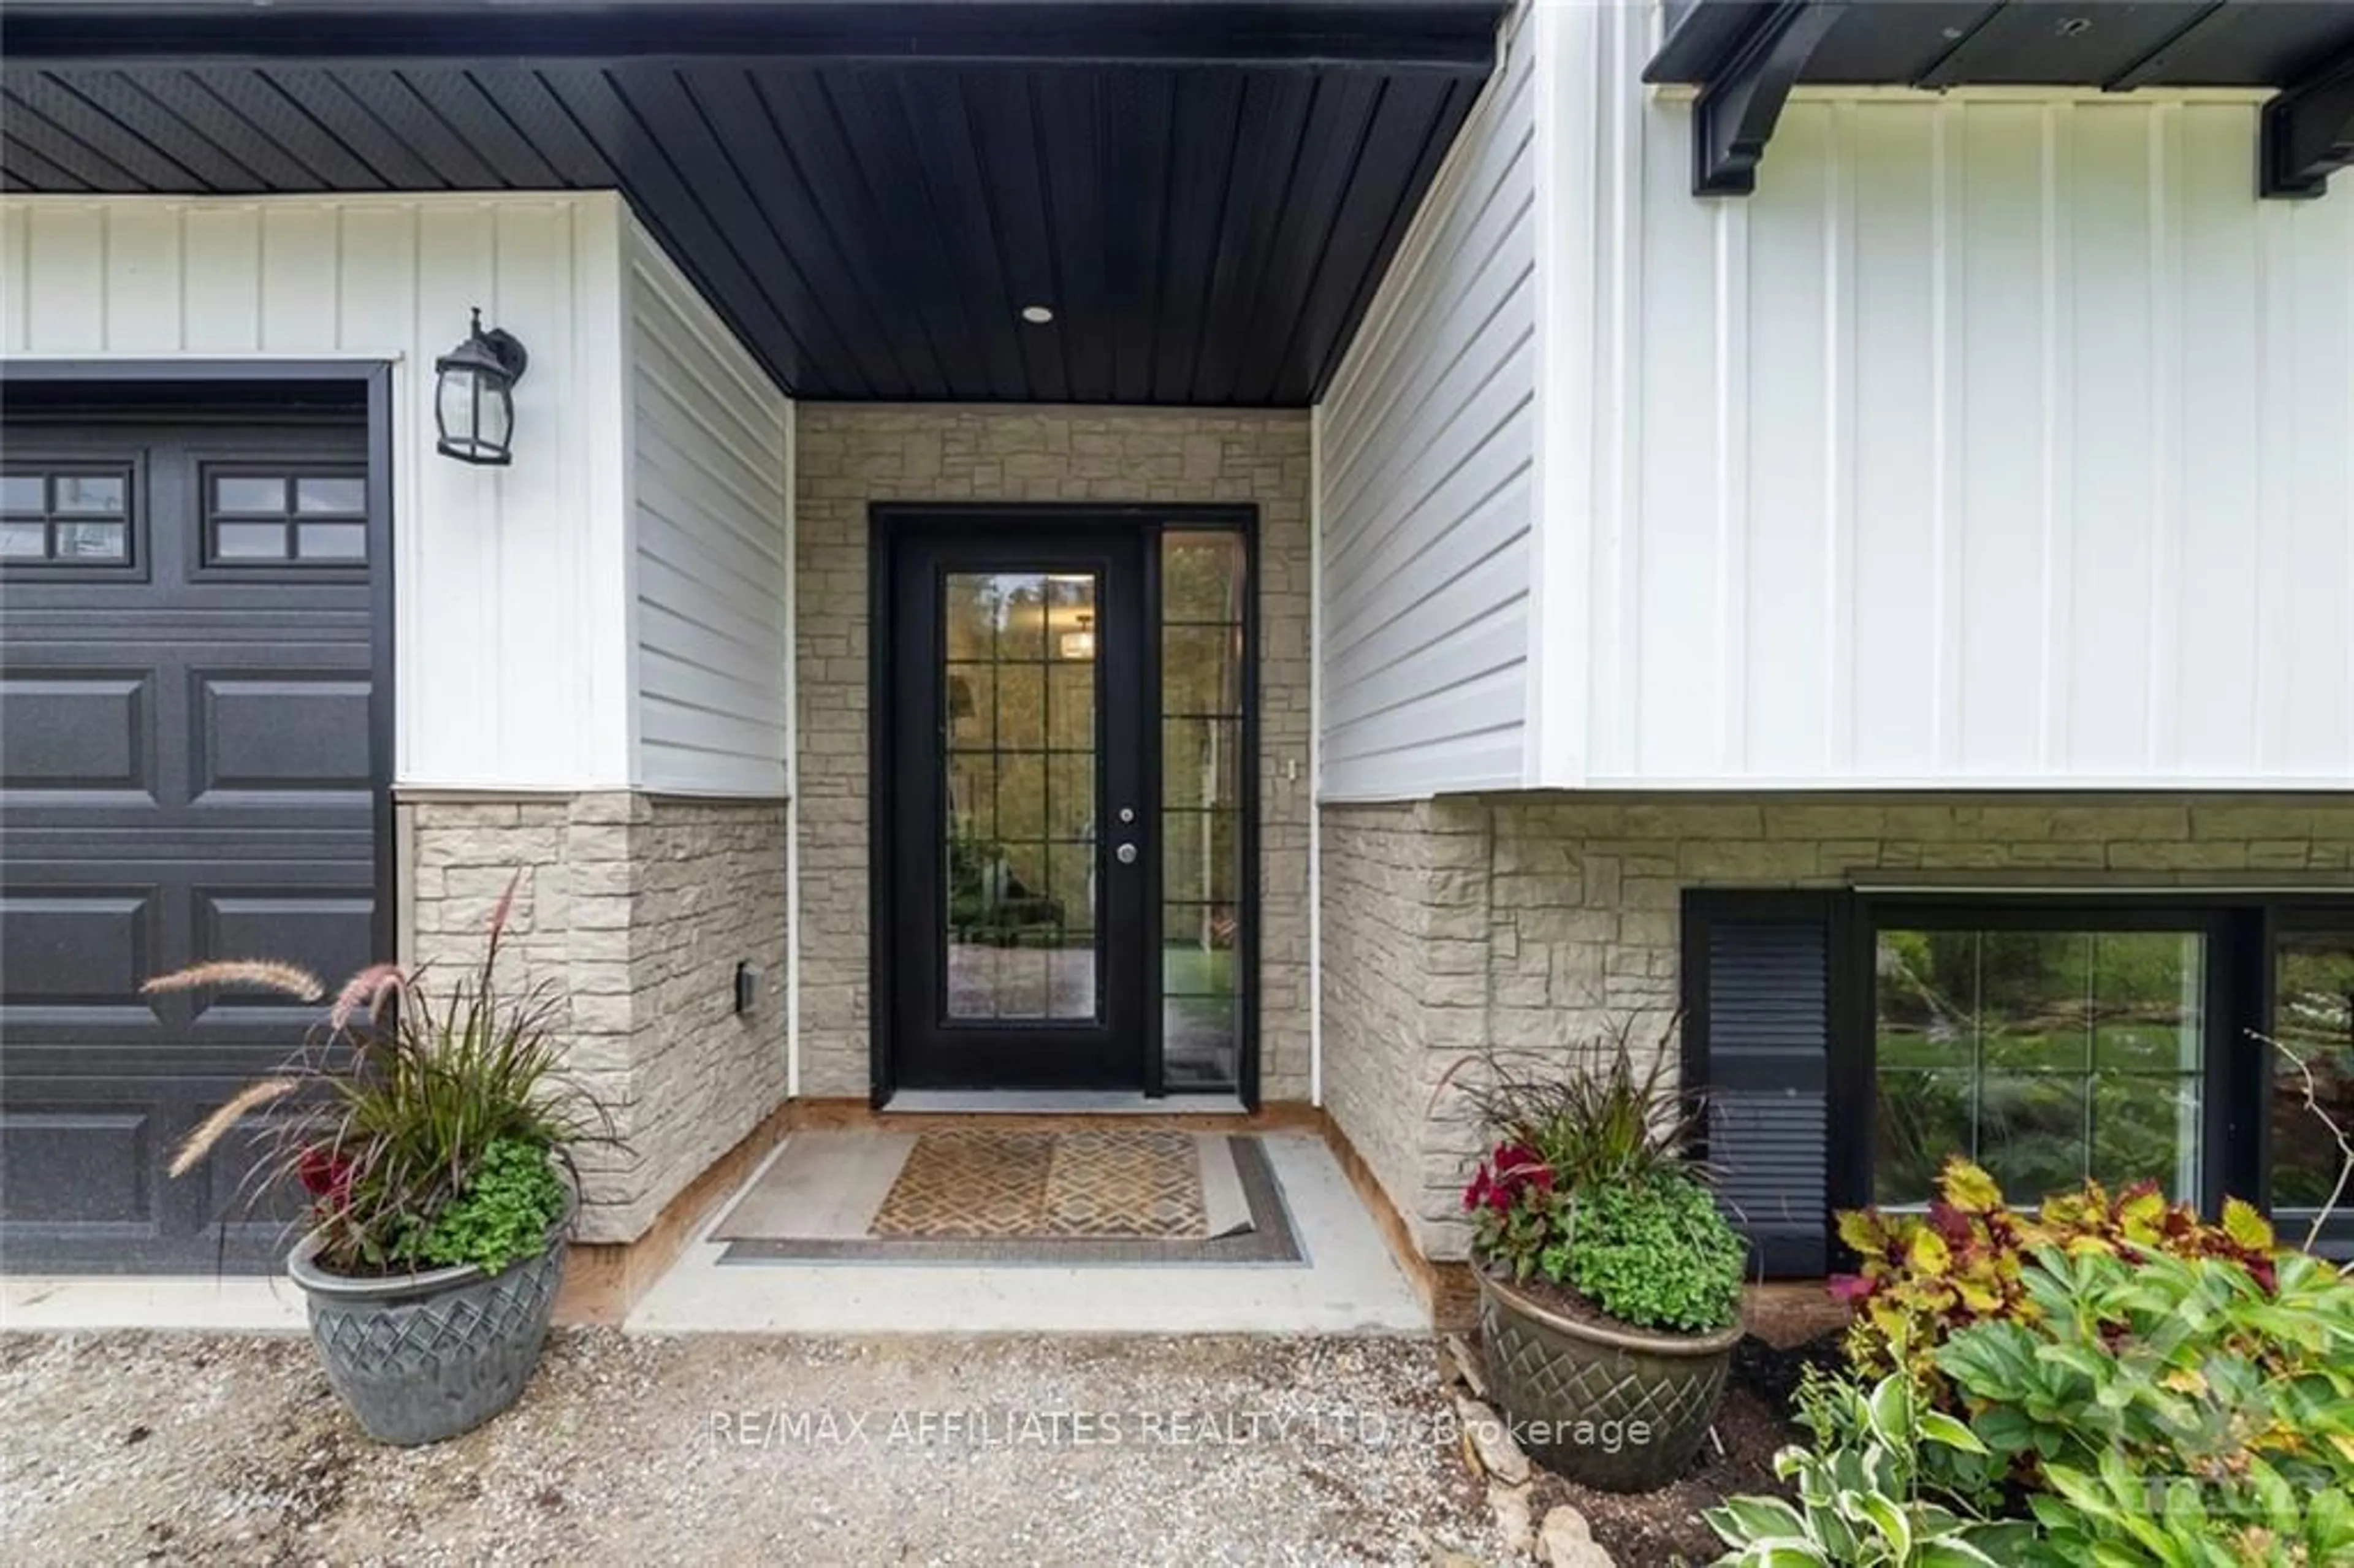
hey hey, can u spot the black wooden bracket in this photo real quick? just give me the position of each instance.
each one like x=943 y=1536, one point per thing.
x=1734 y=116
x=2308 y=133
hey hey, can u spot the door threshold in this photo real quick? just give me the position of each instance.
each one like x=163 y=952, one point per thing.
x=1058 y=1102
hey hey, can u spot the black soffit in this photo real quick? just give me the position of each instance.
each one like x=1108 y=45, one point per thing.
x=1206 y=196
x=1747 y=55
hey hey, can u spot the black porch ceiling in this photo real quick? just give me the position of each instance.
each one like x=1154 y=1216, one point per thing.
x=1747 y=55
x=1205 y=195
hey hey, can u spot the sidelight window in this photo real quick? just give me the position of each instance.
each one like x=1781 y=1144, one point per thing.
x=1204 y=595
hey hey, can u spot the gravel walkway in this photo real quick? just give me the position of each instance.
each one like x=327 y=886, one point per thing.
x=131 y=1447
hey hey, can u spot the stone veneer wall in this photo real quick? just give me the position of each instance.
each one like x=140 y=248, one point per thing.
x=1531 y=922
x=850 y=456
x=635 y=909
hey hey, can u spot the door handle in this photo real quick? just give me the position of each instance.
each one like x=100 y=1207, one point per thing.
x=1125 y=854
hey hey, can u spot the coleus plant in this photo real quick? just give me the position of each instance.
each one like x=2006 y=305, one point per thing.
x=1925 y=1277
x=1514 y=1204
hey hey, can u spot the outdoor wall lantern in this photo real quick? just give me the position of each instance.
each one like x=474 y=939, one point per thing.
x=473 y=395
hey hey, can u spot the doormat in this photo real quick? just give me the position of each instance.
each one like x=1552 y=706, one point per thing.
x=993 y=1197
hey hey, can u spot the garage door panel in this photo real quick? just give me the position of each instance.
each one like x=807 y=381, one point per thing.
x=332 y=936
x=186 y=772
x=69 y=948
x=86 y=1188
x=72 y=730
x=291 y=730
x=82 y=1162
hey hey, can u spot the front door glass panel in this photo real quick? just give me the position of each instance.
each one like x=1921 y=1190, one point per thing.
x=1063 y=794
x=1202 y=674
x=1018 y=902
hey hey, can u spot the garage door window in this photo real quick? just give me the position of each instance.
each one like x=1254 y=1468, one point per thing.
x=66 y=518
x=276 y=518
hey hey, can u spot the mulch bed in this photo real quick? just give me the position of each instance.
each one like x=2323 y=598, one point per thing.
x=1657 y=1529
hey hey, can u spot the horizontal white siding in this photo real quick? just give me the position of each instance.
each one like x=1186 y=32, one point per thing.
x=1994 y=441
x=511 y=638
x=710 y=492
x=1423 y=496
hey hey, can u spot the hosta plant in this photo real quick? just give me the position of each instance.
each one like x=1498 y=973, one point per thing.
x=426 y=1124
x=1925 y=1277
x=2117 y=1516
x=1859 y=1494
x=2227 y=1396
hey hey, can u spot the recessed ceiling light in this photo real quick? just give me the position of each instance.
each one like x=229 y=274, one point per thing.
x=1038 y=315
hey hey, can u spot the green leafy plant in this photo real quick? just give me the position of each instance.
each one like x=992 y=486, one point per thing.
x=389 y=1115
x=1587 y=1187
x=503 y=1215
x=2194 y=1374
x=2119 y=1517
x=1925 y=1277
x=1859 y=1497
x=1656 y=1255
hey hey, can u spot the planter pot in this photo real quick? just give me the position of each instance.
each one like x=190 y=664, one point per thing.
x=421 y=1357
x=1619 y=1409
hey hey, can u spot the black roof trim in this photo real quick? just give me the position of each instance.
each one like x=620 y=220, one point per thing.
x=1456 y=37
x=1745 y=56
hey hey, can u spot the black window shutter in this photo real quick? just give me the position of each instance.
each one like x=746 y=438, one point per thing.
x=1757 y=1044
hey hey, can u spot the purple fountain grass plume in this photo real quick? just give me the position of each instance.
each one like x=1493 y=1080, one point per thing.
x=366 y=992
x=499 y=913
x=288 y=979
x=209 y=1131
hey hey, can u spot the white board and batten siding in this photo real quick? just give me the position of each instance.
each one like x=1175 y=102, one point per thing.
x=710 y=496
x=2000 y=440
x=1423 y=479
x=524 y=659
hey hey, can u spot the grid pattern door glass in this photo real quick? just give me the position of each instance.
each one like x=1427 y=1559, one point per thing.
x=1202 y=596
x=1020 y=898
x=2048 y=1056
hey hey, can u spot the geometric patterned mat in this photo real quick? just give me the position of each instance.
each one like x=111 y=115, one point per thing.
x=1264 y=1236
x=978 y=1184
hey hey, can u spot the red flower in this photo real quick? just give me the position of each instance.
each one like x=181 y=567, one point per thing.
x=1518 y=1165
x=326 y=1174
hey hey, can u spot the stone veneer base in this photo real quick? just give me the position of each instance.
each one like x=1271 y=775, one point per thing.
x=634 y=911
x=1530 y=923
x=602 y=1282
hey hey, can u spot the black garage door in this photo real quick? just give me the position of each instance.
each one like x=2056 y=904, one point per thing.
x=190 y=768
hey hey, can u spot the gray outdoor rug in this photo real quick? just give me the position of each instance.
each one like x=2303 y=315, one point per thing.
x=996 y=1196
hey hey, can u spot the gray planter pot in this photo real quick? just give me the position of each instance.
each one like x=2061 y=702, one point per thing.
x=421 y=1357
x=1619 y=1409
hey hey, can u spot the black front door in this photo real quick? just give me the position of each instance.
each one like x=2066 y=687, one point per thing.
x=1020 y=809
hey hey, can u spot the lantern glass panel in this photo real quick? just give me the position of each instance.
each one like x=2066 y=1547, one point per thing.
x=495 y=409
x=458 y=394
